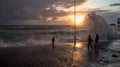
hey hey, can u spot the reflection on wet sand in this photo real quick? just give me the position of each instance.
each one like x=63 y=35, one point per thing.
x=78 y=45
x=79 y=55
x=93 y=55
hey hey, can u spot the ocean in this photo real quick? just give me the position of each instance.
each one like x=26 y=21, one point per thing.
x=26 y=35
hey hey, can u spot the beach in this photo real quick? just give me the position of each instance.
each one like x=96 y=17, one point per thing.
x=33 y=56
x=60 y=56
x=59 y=33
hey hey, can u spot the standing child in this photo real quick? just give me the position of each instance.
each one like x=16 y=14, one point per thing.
x=89 y=43
x=53 y=42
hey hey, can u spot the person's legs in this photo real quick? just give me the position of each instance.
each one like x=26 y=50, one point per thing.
x=96 y=49
x=91 y=47
x=52 y=45
x=88 y=46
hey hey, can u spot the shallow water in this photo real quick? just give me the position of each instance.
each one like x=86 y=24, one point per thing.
x=115 y=45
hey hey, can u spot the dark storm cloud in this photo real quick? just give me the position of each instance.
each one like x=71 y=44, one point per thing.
x=115 y=4
x=32 y=9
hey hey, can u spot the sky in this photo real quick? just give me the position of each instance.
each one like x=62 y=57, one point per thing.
x=42 y=12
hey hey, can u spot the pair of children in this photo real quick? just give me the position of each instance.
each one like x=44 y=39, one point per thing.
x=90 y=40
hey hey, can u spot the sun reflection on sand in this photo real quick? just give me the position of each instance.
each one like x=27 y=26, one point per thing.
x=77 y=54
x=78 y=45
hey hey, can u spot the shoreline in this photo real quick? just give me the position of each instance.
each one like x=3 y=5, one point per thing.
x=61 y=56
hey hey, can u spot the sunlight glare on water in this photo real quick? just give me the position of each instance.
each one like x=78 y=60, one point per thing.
x=78 y=45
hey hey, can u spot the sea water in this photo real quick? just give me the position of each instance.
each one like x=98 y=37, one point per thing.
x=26 y=35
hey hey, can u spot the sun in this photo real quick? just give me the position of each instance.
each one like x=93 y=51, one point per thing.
x=79 y=19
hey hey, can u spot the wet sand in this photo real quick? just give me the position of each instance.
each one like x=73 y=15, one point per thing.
x=107 y=57
x=61 y=56
x=34 y=56
x=43 y=56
